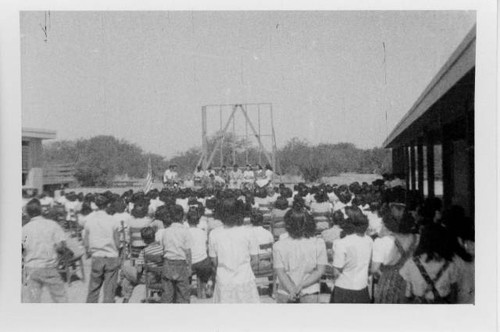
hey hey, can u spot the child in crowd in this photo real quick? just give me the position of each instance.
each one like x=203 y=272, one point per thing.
x=134 y=275
x=177 y=243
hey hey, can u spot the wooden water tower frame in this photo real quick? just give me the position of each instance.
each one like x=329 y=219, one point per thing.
x=264 y=113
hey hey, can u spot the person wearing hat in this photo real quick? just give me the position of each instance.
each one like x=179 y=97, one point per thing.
x=101 y=241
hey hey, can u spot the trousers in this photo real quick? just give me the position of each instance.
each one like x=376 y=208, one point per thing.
x=104 y=273
x=37 y=278
x=175 y=282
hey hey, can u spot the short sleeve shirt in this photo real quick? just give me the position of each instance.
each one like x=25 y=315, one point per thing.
x=263 y=236
x=101 y=228
x=352 y=255
x=176 y=240
x=233 y=247
x=199 y=247
x=383 y=250
x=40 y=236
x=299 y=257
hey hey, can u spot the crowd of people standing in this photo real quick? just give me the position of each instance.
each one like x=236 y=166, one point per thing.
x=373 y=242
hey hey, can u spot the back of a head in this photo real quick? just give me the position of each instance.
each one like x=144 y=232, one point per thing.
x=256 y=218
x=34 y=208
x=119 y=205
x=177 y=213
x=193 y=217
x=140 y=209
x=281 y=203
x=356 y=223
x=231 y=211
x=435 y=242
x=163 y=214
x=148 y=235
x=101 y=201
x=299 y=224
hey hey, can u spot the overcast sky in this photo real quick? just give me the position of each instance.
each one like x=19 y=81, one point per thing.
x=143 y=76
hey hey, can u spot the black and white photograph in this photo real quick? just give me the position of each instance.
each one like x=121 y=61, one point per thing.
x=209 y=157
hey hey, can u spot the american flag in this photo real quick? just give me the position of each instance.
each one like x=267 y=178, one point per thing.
x=149 y=178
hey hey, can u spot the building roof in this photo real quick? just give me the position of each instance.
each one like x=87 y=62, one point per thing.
x=38 y=133
x=461 y=62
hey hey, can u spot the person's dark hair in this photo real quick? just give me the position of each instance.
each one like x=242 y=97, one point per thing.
x=435 y=242
x=356 y=223
x=148 y=235
x=140 y=209
x=210 y=203
x=163 y=214
x=119 y=205
x=407 y=224
x=269 y=167
x=458 y=226
x=338 y=218
x=430 y=207
x=260 y=192
x=101 y=201
x=176 y=213
x=256 y=218
x=231 y=211
x=299 y=224
x=34 y=208
x=390 y=222
x=298 y=202
x=321 y=196
x=86 y=208
x=281 y=203
x=193 y=217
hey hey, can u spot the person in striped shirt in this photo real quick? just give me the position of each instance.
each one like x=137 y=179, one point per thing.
x=134 y=275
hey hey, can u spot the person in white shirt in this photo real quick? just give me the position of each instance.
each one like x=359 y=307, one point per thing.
x=233 y=252
x=154 y=203
x=351 y=261
x=201 y=264
x=299 y=259
x=248 y=176
x=101 y=240
x=198 y=176
x=42 y=241
x=170 y=176
x=262 y=235
x=374 y=220
x=235 y=178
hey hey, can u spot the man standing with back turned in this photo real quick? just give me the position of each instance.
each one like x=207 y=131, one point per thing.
x=42 y=240
x=101 y=241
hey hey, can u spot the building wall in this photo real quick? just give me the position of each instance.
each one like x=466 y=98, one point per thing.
x=32 y=162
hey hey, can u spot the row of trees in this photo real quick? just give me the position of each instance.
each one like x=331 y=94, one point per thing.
x=100 y=159
x=299 y=157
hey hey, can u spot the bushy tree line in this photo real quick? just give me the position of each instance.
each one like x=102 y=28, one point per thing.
x=100 y=159
x=299 y=157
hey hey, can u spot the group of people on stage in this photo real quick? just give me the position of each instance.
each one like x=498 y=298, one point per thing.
x=250 y=177
x=361 y=243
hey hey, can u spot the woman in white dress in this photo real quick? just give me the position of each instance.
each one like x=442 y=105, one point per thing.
x=233 y=251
